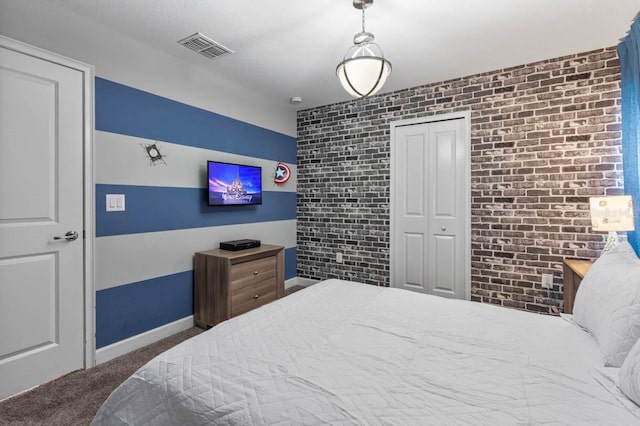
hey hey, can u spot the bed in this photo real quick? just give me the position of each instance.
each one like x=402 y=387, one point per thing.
x=345 y=353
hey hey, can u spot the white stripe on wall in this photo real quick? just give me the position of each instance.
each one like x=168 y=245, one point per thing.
x=122 y=160
x=131 y=258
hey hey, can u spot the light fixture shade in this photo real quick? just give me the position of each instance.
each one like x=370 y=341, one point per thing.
x=363 y=71
x=613 y=213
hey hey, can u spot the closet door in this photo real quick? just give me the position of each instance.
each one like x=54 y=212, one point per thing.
x=430 y=205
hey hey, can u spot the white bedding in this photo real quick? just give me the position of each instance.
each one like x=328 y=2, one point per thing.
x=354 y=354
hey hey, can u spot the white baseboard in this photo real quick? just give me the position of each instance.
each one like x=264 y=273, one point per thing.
x=122 y=347
x=305 y=282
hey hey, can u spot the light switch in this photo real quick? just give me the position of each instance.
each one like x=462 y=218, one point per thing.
x=115 y=202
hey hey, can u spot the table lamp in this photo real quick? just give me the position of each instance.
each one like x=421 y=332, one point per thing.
x=611 y=214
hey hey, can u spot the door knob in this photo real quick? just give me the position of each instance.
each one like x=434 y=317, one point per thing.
x=443 y=228
x=69 y=236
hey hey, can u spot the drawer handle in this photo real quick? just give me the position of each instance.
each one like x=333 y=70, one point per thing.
x=256 y=296
x=255 y=272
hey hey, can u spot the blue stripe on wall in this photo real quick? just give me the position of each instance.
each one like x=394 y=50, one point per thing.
x=152 y=208
x=128 y=111
x=290 y=263
x=131 y=309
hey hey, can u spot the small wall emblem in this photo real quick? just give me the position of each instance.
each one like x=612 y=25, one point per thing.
x=153 y=152
x=283 y=173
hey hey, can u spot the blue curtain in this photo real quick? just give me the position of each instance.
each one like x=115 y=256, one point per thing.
x=629 y=53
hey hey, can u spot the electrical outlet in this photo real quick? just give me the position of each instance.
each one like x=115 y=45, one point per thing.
x=547 y=281
x=339 y=257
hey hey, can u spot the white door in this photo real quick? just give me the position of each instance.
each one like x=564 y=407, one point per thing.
x=41 y=199
x=430 y=245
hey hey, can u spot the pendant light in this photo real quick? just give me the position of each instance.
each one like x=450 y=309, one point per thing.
x=363 y=69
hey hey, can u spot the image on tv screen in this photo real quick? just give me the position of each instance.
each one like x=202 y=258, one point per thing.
x=234 y=184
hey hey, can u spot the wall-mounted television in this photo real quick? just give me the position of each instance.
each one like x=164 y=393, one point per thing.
x=233 y=184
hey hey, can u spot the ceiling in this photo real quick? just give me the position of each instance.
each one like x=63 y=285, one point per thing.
x=286 y=48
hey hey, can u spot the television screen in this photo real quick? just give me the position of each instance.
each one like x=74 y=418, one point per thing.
x=234 y=184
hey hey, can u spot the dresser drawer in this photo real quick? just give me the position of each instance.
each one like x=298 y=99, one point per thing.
x=252 y=273
x=250 y=297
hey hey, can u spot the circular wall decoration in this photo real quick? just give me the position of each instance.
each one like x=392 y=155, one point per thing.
x=153 y=152
x=283 y=173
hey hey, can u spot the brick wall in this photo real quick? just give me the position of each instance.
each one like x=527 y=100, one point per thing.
x=545 y=137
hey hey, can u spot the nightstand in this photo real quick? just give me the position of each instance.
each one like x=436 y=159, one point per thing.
x=573 y=271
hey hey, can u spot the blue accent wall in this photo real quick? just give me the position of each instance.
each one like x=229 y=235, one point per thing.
x=127 y=310
x=290 y=263
x=128 y=111
x=152 y=208
x=131 y=308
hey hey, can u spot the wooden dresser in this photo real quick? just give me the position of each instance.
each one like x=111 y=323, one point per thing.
x=230 y=283
x=573 y=271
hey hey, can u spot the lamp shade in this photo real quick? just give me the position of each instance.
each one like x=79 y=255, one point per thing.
x=613 y=213
x=363 y=71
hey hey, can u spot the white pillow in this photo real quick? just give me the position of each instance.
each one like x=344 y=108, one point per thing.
x=608 y=303
x=629 y=379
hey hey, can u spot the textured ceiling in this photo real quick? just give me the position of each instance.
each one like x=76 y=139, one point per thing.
x=288 y=48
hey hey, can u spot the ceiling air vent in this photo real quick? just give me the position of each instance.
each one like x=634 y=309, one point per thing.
x=204 y=46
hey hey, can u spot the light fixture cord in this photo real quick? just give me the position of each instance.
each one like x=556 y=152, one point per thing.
x=363 y=19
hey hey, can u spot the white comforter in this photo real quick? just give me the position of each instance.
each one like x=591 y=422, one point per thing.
x=353 y=354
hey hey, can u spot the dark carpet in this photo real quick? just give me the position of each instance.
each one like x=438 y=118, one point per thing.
x=74 y=399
